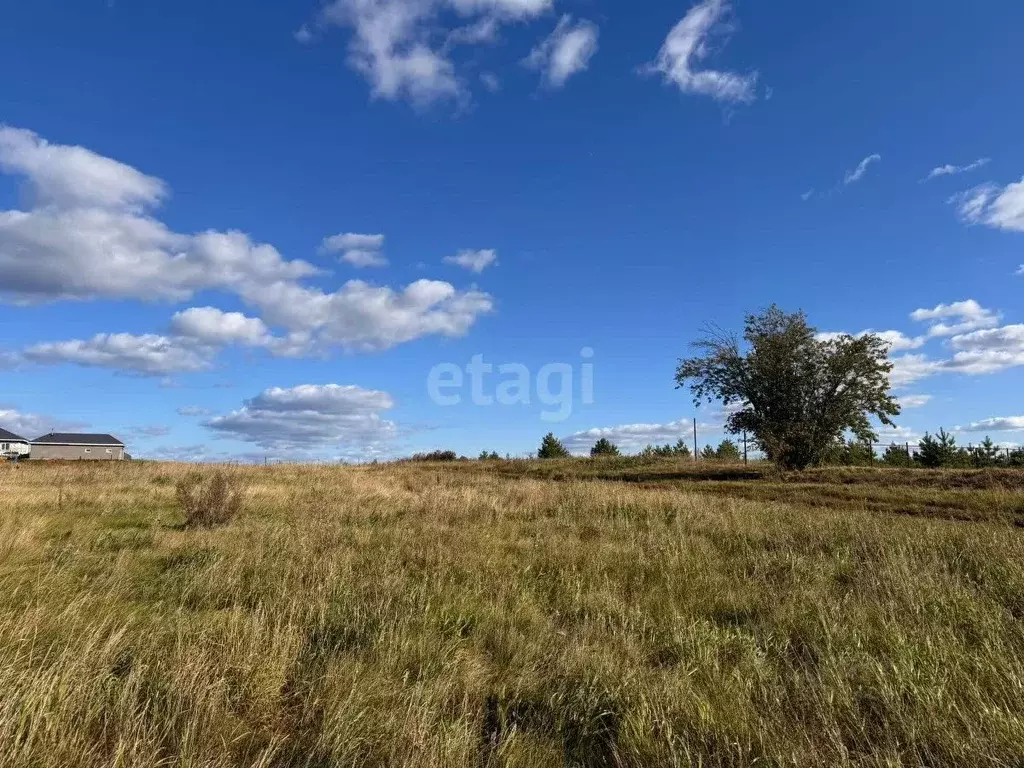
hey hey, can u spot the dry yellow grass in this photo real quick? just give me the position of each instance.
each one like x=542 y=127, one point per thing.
x=427 y=616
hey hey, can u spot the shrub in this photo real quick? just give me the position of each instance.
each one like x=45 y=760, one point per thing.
x=604 y=447
x=207 y=502
x=436 y=456
x=551 y=448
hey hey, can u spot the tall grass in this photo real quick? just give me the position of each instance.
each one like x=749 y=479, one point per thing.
x=421 y=616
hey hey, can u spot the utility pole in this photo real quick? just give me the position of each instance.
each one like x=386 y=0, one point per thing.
x=744 y=447
x=694 y=439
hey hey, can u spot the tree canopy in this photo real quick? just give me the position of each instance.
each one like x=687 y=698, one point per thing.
x=551 y=448
x=797 y=392
x=604 y=447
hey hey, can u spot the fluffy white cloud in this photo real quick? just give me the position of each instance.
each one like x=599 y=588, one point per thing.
x=988 y=351
x=914 y=401
x=995 y=424
x=634 y=437
x=565 y=51
x=67 y=176
x=403 y=48
x=907 y=369
x=953 y=170
x=210 y=326
x=32 y=425
x=687 y=45
x=149 y=354
x=993 y=206
x=862 y=168
x=363 y=317
x=89 y=236
x=967 y=315
x=474 y=261
x=91 y=239
x=311 y=417
x=358 y=250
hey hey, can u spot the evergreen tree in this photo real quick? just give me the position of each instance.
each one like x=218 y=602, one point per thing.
x=604 y=447
x=708 y=454
x=938 y=451
x=986 y=454
x=897 y=456
x=551 y=448
x=681 y=449
x=728 y=451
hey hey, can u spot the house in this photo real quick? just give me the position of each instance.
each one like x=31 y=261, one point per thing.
x=12 y=445
x=66 y=445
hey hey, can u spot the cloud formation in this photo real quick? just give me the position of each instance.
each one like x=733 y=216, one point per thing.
x=32 y=425
x=992 y=205
x=474 y=261
x=859 y=172
x=358 y=250
x=310 y=418
x=566 y=51
x=953 y=170
x=91 y=235
x=687 y=45
x=995 y=424
x=404 y=48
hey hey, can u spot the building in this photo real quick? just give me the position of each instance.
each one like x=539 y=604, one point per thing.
x=12 y=446
x=68 y=446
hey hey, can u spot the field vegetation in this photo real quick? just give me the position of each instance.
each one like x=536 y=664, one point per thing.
x=595 y=612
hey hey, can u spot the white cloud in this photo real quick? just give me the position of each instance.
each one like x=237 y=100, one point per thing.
x=995 y=424
x=953 y=170
x=910 y=368
x=68 y=176
x=96 y=242
x=193 y=410
x=634 y=437
x=148 y=354
x=474 y=261
x=32 y=425
x=363 y=317
x=993 y=206
x=210 y=326
x=988 y=351
x=914 y=401
x=151 y=430
x=687 y=45
x=862 y=168
x=311 y=417
x=395 y=43
x=358 y=250
x=565 y=51
x=969 y=315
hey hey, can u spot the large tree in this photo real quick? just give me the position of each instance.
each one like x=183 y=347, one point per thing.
x=796 y=393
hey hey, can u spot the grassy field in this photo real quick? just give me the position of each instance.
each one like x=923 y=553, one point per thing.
x=513 y=614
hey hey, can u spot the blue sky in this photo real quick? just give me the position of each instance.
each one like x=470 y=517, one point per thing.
x=237 y=230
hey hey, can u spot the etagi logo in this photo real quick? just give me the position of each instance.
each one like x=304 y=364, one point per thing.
x=552 y=386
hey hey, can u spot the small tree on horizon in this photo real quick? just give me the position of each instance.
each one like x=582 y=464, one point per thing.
x=728 y=451
x=708 y=453
x=798 y=393
x=897 y=456
x=604 y=447
x=551 y=448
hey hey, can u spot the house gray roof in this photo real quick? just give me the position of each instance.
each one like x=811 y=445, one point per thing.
x=10 y=437
x=70 y=438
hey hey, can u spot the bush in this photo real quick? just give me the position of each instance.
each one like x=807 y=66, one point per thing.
x=604 y=447
x=897 y=456
x=436 y=456
x=679 y=450
x=492 y=456
x=207 y=502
